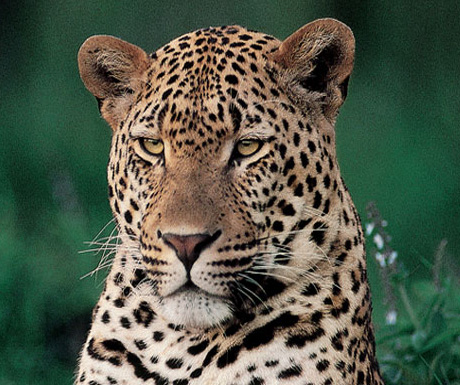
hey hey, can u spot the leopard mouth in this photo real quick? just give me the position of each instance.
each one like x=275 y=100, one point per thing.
x=189 y=289
x=194 y=307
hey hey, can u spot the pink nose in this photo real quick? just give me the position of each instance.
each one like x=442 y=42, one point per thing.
x=189 y=247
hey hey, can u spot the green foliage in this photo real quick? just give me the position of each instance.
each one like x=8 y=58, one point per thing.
x=420 y=341
x=423 y=346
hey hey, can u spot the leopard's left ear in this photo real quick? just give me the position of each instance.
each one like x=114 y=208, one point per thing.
x=112 y=70
x=315 y=63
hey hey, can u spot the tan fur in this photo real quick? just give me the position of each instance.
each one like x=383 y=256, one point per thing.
x=126 y=63
x=296 y=57
x=232 y=269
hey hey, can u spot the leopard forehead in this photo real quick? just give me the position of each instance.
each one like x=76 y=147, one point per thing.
x=206 y=86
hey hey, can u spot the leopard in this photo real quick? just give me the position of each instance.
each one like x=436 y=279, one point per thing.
x=240 y=256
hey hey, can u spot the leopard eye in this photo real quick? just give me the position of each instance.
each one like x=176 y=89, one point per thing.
x=152 y=146
x=248 y=147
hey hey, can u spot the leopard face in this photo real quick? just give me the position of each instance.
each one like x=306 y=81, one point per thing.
x=222 y=175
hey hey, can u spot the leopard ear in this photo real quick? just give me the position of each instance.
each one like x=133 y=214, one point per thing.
x=112 y=70
x=315 y=63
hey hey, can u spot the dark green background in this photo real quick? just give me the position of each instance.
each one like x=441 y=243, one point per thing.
x=398 y=144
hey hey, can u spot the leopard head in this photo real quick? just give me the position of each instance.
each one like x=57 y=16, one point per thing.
x=222 y=174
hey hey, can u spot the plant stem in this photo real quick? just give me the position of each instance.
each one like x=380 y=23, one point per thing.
x=408 y=307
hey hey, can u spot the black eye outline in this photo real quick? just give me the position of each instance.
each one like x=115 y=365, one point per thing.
x=142 y=144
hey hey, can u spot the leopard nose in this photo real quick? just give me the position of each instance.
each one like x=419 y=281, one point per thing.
x=189 y=247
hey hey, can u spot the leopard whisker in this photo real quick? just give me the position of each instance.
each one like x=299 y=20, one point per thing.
x=253 y=281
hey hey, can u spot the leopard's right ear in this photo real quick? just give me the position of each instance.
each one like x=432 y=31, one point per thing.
x=314 y=65
x=112 y=70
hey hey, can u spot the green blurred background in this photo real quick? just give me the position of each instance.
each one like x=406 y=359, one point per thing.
x=398 y=144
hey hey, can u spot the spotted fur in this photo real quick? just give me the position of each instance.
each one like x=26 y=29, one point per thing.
x=231 y=268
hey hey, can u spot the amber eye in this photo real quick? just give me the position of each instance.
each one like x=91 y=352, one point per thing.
x=152 y=146
x=247 y=147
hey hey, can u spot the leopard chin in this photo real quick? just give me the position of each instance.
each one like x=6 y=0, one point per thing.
x=194 y=308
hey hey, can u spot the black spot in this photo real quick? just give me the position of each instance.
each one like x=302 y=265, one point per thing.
x=356 y=283
x=337 y=342
x=172 y=79
x=285 y=125
x=106 y=317
x=311 y=146
x=311 y=289
x=158 y=336
x=300 y=339
x=343 y=309
x=119 y=303
x=311 y=182
x=238 y=69
x=293 y=371
x=139 y=275
x=187 y=65
x=200 y=41
x=144 y=314
x=229 y=356
x=125 y=322
x=174 y=363
x=139 y=369
x=319 y=232
x=266 y=333
x=288 y=210
x=126 y=291
x=348 y=245
x=298 y=192
x=296 y=139
x=154 y=360
x=114 y=345
x=257 y=381
x=93 y=351
x=245 y=37
x=196 y=373
x=282 y=150
x=326 y=206
x=319 y=168
x=303 y=223
x=317 y=200
x=128 y=217
x=182 y=381
x=316 y=317
x=271 y=363
x=197 y=349
x=271 y=112
x=336 y=286
x=289 y=165
x=232 y=79
x=273 y=287
x=278 y=226
x=322 y=365
x=340 y=259
x=211 y=354
x=235 y=114
x=166 y=94
x=345 y=217
x=140 y=344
